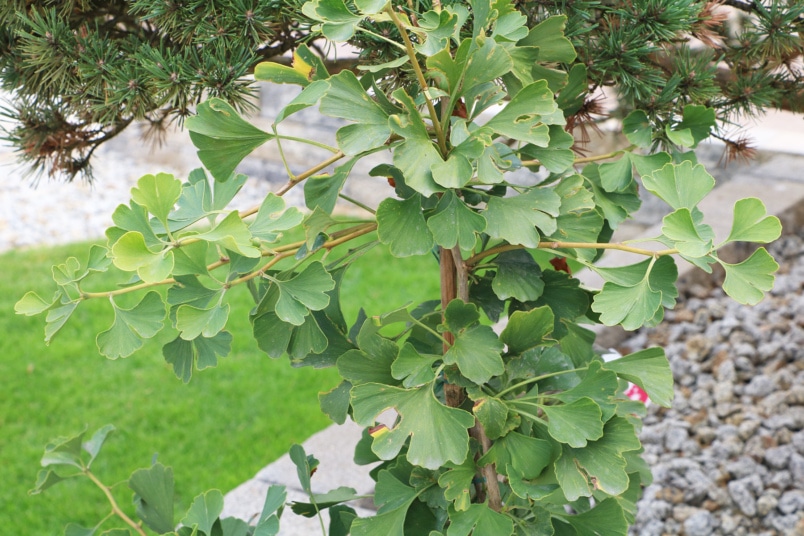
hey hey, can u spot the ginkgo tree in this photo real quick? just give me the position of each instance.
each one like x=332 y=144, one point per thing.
x=523 y=429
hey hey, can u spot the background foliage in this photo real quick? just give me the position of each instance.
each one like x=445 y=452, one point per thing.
x=81 y=71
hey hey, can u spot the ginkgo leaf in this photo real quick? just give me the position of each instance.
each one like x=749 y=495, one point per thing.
x=602 y=460
x=413 y=368
x=402 y=226
x=131 y=253
x=56 y=317
x=548 y=35
x=479 y=519
x=637 y=128
x=617 y=176
x=632 y=306
x=438 y=434
x=132 y=326
x=454 y=172
x=415 y=158
x=747 y=282
x=682 y=137
x=309 y=96
x=752 y=223
x=338 y=21
x=394 y=499
x=518 y=276
x=493 y=415
x=615 y=206
x=487 y=61
x=204 y=511
x=650 y=370
x=302 y=293
x=629 y=296
x=662 y=276
x=477 y=352
x=158 y=193
x=193 y=322
x=691 y=238
x=575 y=423
x=436 y=28
x=527 y=455
x=563 y=295
x=321 y=191
x=273 y=218
x=455 y=223
x=153 y=488
x=526 y=330
x=347 y=99
x=516 y=219
x=527 y=115
x=698 y=121
x=680 y=185
x=457 y=483
x=200 y=353
x=557 y=156
x=233 y=234
x=31 y=304
x=222 y=137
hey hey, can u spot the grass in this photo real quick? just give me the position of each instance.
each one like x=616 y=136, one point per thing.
x=216 y=432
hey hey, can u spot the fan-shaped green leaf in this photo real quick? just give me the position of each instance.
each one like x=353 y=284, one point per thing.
x=158 y=193
x=479 y=519
x=455 y=223
x=402 y=226
x=526 y=330
x=515 y=219
x=650 y=370
x=574 y=423
x=748 y=281
x=680 y=185
x=438 y=433
x=132 y=326
x=752 y=224
x=153 y=488
x=691 y=238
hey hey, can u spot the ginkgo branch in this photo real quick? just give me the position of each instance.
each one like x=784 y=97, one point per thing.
x=115 y=507
x=586 y=159
x=536 y=379
x=496 y=250
x=442 y=141
x=281 y=252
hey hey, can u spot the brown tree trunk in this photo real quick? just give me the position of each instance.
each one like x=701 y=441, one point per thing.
x=455 y=284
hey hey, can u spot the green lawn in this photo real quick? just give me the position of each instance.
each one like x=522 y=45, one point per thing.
x=215 y=432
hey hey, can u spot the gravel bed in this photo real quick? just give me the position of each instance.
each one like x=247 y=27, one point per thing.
x=728 y=457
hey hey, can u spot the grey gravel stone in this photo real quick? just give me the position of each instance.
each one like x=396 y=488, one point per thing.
x=777 y=457
x=742 y=496
x=766 y=503
x=747 y=428
x=701 y=523
x=674 y=439
x=760 y=386
x=791 y=501
x=796 y=466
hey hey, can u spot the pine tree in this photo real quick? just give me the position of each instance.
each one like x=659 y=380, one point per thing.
x=80 y=71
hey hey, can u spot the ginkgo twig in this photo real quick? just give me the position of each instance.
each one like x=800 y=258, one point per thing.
x=442 y=141
x=281 y=252
x=115 y=507
x=473 y=260
x=586 y=159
